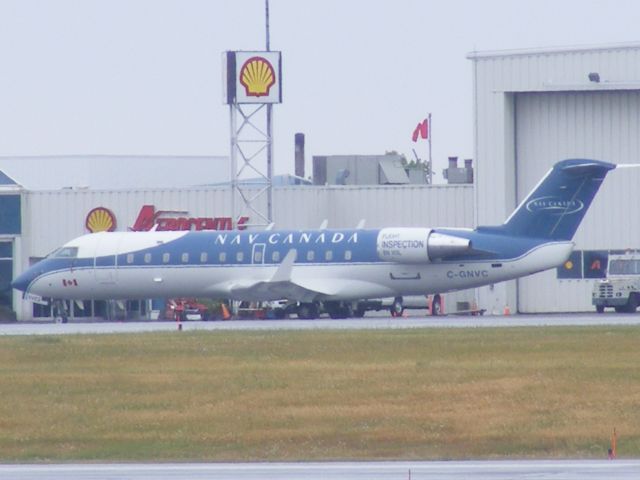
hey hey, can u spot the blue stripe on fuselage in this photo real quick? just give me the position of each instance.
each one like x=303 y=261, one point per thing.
x=346 y=246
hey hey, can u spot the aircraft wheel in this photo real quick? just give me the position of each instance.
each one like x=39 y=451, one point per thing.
x=436 y=305
x=396 y=307
x=632 y=304
x=600 y=308
x=359 y=312
x=308 y=311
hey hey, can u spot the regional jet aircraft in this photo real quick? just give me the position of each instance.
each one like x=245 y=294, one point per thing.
x=335 y=267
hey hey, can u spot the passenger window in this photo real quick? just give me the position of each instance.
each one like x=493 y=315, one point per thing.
x=165 y=257
x=203 y=257
x=185 y=258
x=147 y=258
x=222 y=257
x=275 y=257
x=311 y=255
x=257 y=257
x=129 y=258
x=328 y=255
x=239 y=256
x=347 y=255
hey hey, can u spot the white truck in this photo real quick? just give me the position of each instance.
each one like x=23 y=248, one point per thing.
x=621 y=288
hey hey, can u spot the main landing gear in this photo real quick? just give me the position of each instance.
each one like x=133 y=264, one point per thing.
x=308 y=311
x=434 y=305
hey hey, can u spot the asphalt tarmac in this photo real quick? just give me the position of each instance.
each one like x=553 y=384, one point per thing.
x=484 y=470
x=378 y=322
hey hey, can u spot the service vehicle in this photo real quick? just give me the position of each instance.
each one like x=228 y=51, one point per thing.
x=621 y=288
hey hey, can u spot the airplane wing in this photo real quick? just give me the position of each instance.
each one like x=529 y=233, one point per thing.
x=282 y=285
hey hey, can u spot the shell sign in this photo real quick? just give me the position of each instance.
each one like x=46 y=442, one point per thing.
x=253 y=77
x=257 y=77
x=100 y=219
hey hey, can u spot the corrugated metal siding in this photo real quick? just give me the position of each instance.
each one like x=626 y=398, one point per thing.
x=576 y=110
x=600 y=125
x=55 y=217
x=51 y=218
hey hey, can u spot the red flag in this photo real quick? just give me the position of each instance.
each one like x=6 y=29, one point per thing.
x=421 y=131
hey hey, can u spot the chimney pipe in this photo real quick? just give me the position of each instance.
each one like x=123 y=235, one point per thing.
x=453 y=162
x=299 y=154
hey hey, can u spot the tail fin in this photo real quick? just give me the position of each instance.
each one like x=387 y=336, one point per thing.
x=556 y=206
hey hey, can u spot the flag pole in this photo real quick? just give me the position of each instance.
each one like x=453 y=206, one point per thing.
x=429 y=133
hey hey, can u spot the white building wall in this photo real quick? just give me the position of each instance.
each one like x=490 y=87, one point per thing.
x=573 y=116
x=52 y=218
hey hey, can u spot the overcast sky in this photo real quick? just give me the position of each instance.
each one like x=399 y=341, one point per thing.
x=144 y=76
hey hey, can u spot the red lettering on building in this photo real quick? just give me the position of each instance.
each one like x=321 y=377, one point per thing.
x=172 y=220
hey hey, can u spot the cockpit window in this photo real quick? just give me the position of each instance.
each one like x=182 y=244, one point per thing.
x=65 y=252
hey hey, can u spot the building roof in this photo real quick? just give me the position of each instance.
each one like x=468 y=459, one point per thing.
x=113 y=171
x=553 y=50
x=7 y=181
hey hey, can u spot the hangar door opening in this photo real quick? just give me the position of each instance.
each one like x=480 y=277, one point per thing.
x=552 y=126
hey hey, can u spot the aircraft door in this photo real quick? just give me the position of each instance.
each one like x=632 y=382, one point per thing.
x=257 y=255
x=105 y=267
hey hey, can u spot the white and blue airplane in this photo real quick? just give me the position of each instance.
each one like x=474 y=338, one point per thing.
x=335 y=267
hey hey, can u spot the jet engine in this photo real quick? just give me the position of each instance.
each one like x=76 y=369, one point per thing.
x=418 y=245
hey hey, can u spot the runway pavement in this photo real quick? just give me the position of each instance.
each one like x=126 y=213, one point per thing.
x=485 y=470
x=385 y=323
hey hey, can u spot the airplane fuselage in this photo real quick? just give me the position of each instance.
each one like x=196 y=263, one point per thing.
x=329 y=265
x=324 y=265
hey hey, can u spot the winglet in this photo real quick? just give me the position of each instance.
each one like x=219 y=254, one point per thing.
x=283 y=273
x=361 y=223
x=324 y=224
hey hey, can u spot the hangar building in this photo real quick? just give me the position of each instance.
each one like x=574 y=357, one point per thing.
x=533 y=108
x=50 y=218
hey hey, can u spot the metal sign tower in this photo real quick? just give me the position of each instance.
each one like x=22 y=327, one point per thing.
x=253 y=83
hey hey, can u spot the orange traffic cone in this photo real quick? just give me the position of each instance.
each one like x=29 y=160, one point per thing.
x=225 y=312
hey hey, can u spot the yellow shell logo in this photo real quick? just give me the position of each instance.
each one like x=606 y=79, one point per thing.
x=100 y=220
x=257 y=76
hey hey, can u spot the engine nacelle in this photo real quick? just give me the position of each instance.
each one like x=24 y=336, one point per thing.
x=418 y=245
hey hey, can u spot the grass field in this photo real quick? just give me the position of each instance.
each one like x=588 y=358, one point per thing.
x=413 y=394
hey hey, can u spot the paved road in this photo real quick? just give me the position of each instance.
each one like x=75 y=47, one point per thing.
x=385 y=323
x=489 y=470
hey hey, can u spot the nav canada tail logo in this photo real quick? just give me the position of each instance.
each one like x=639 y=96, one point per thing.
x=257 y=76
x=554 y=205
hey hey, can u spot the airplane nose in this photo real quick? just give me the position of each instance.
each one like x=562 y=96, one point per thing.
x=22 y=281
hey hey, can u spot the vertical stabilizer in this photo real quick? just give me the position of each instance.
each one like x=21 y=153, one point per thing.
x=557 y=205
